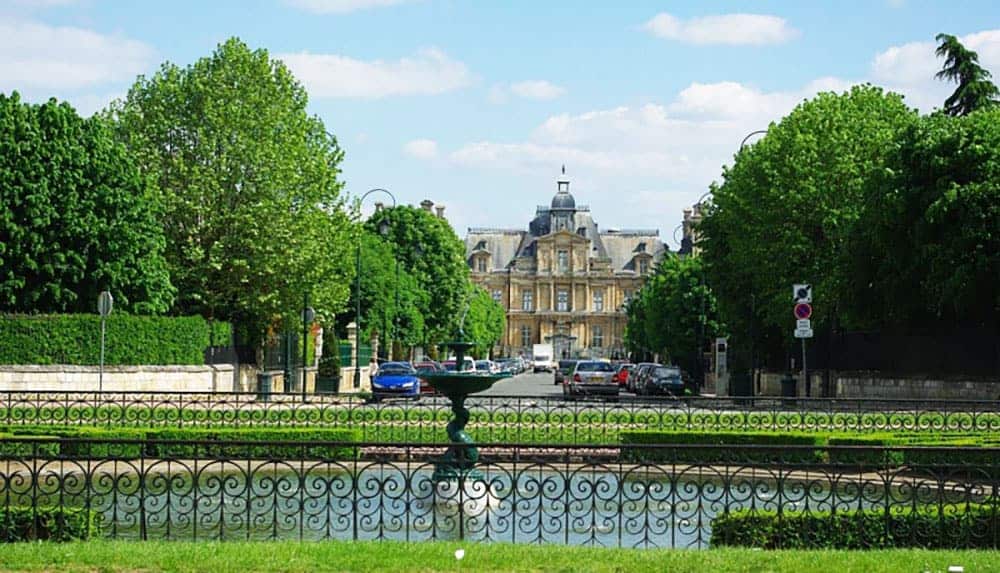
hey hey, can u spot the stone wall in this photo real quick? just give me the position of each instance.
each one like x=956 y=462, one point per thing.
x=65 y=378
x=874 y=385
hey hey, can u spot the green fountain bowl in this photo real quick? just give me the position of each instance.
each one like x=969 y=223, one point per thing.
x=461 y=384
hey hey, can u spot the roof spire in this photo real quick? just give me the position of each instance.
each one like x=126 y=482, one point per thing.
x=564 y=169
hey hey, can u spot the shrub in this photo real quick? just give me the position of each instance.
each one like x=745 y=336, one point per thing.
x=218 y=442
x=28 y=447
x=880 y=454
x=965 y=526
x=19 y=523
x=778 y=453
x=129 y=340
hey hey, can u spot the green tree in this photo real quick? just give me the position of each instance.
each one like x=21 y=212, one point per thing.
x=678 y=313
x=386 y=306
x=432 y=253
x=927 y=250
x=76 y=216
x=253 y=207
x=485 y=321
x=961 y=65
x=786 y=208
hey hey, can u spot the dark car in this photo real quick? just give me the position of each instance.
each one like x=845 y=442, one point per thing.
x=591 y=378
x=425 y=367
x=632 y=383
x=665 y=380
x=395 y=379
x=564 y=369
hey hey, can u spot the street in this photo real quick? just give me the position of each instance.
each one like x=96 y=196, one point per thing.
x=525 y=384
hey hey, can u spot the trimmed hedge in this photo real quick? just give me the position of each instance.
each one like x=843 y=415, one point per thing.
x=971 y=526
x=74 y=442
x=20 y=523
x=716 y=455
x=74 y=339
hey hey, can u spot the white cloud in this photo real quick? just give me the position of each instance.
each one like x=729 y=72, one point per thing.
x=536 y=89
x=910 y=68
x=429 y=72
x=38 y=56
x=421 y=148
x=341 y=6
x=733 y=29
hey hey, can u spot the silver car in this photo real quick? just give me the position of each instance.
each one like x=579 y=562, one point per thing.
x=591 y=378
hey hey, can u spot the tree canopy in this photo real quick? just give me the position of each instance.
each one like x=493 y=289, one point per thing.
x=432 y=253
x=77 y=216
x=485 y=321
x=253 y=211
x=975 y=91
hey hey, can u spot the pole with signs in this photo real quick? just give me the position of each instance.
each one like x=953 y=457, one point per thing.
x=104 y=304
x=802 y=297
x=308 y=315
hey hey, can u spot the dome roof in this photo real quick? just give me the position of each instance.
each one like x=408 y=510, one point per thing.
x=563 y=200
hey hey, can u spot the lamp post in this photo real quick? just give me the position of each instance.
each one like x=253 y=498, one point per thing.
x=308 y=315
x=357 y=284
x=753 y=302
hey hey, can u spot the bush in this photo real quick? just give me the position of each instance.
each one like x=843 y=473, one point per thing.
x=218 y=443
x=129 y=340
x=28 y=447
x=966 y=526
x=880 y=454
x=719 y=454
x=19 y=523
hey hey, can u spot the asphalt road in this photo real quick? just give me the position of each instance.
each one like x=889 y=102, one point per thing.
x=525 y=384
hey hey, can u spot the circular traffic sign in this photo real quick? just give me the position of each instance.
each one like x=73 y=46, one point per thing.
x=104 y=303
x=803 y=310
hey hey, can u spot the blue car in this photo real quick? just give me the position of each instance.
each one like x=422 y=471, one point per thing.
x=395 y=379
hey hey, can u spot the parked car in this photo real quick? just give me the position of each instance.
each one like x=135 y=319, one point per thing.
x=591 y=378
x=487 y=366
x=469 y=365
x=425 y=367
x=635 y=373
x=563 y=369
x=621 y=373
x=665 y=380
x=395 y=379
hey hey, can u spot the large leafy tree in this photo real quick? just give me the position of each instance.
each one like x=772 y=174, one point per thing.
x=927 y=251
x=484 y=322
x=389 y=308
x=786 y=208
x=961 y=65
x=432 y=253
x=675 y=311
x=249 y=181
x=76 y=216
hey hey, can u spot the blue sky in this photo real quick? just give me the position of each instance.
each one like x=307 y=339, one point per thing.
x=476 y=105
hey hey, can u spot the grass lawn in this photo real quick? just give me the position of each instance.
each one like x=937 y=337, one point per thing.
x=440 y=556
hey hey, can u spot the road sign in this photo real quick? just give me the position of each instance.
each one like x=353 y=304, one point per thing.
x=802 y=293
x=803 y=310
x=803 y=324
x=104 y=303
x=803 y=333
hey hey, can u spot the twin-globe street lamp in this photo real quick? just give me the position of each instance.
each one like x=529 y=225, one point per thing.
x=383 y=230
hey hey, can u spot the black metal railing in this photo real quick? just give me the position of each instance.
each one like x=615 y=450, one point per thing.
x=495 y=418
x=642 y=496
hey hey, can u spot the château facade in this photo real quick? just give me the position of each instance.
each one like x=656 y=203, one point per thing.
x=562 y=281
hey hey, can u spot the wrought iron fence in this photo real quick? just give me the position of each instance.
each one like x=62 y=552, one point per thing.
x=644 y=496
x=495 y=418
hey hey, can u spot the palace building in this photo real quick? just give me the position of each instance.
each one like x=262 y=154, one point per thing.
x=563 y=280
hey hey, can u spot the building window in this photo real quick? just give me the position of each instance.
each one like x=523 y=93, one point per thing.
x=481 y=264
x=496 y=294
x=562 y=301
x=597 y=337
x=527 y=299
x=525 y=336
x=643 y=266
x=598 y=300
x=563 y=261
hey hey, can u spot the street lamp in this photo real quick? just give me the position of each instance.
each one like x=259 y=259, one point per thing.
x=357 y=284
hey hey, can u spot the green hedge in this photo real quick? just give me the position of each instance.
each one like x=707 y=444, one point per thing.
x=971 y=526
x=716 y=455
x=73 y=442
x=19 y=523
x=129 y=340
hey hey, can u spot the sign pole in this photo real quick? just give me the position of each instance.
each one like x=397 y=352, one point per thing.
x=805 y=371
x=100 y=375
x=105 y=302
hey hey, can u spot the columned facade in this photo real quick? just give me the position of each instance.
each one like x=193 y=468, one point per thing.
x=563 y=281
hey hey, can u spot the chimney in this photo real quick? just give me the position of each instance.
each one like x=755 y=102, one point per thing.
x=440 y=211
x=426 y=205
